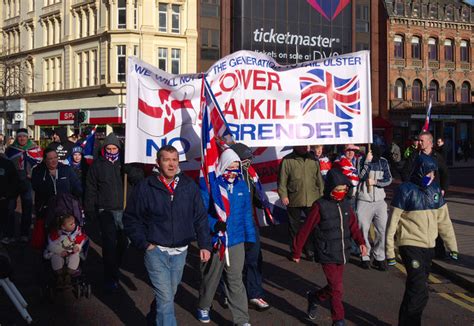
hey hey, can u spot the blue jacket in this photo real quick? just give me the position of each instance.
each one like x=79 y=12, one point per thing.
x=45 y=186
x=240 y=225
x=152 y=217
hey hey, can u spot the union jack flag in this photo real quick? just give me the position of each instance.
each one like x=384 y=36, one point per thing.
x=88 y=146
x=426 y=126
x=325 y=91
x=214 y=130
x=215 y=137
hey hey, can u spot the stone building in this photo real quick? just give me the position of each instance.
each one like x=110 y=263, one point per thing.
x=75 y=53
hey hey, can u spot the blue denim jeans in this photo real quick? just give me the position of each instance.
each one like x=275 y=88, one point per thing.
x=165 y=272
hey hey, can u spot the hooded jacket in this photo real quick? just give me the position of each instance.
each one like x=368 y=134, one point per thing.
x=333 y=223
x=240 y=225
x=104 y=185
x=377 y=169
x=62 y=148
x=152 y=217
x=419 y=212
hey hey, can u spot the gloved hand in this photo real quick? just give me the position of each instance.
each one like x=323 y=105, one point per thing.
x=220 y=226
x=391 y=262
x=453 y=255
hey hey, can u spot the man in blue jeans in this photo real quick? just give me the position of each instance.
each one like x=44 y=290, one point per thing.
x=164 y=214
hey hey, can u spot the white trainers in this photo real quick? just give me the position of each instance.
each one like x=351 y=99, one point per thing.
x=259 y=304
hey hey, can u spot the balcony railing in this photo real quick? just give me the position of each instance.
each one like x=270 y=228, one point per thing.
x=417 y=63
x=433 y=64
x=465 y=66
x=400 y=62
x=450 y=65
x=399 y=104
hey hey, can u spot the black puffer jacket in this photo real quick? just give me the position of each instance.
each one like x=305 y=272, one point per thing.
x=333 y=222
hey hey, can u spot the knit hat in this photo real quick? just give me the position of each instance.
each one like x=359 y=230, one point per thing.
x=22 y=132
x=77 y=149
x=244 y=152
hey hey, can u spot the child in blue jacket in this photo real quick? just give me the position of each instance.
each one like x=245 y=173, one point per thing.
x=238 y=229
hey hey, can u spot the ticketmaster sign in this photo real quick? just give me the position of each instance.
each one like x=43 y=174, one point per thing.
x=292 y=30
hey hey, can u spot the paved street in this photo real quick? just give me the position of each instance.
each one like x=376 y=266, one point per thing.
x=371 y=297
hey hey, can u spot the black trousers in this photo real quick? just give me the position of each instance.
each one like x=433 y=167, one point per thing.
x=417 y=262
x=114 y=243
x=294 y=224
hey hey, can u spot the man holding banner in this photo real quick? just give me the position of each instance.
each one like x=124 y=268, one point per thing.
x=300 y=184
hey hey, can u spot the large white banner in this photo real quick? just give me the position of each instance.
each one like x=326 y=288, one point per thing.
x=318 y=102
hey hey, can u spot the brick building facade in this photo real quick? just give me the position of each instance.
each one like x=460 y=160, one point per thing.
x=430 y=56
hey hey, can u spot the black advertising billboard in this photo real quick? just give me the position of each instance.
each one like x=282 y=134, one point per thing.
x=292 y=31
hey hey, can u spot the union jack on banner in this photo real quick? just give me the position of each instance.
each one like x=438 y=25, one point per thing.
x=325 y=91
x=426 y=126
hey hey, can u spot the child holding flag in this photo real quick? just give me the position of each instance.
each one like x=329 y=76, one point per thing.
x=228 y=239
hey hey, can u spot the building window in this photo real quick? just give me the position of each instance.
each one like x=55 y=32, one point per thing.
x=450 y=98
x=399 y=89
x=433 y=49
x=433 y=10
x=135 y=50
x=121 y=63
x=362 y=18
x=79 y=72
x=210 y=8
x=398 y=46
x=448 y=50
x=175 y=61
x=135 y=15
x=52 y=74
x=415 y=48
x=433 y=91
x=466 y=93
x=416 y=90
x=464 y=51
x=175 y=18
x=400 y=8
x=122 y=14
x=162 y=58
x=449 y=13
x=210 y=44
x=415 y=11
x=162 y=17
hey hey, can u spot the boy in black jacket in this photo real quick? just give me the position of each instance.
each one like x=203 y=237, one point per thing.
x=333 y=223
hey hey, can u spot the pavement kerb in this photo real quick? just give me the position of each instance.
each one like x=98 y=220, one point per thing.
x=453 y=276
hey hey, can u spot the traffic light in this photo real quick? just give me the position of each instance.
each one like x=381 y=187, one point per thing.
x=82 y=116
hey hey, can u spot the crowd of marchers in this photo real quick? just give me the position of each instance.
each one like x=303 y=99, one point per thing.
x=332 y=201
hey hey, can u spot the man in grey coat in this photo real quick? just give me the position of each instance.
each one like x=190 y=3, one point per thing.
x=374 y=174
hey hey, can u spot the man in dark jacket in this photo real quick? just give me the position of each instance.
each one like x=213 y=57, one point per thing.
x=333 y=223
x=105 y=196
x=164 y=214
x=8 y=190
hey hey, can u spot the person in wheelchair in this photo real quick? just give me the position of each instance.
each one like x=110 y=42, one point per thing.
x=65 y=241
